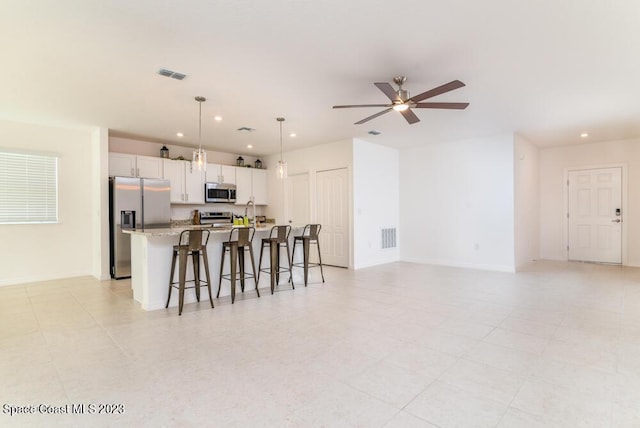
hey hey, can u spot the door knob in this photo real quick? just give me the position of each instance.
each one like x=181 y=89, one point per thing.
x=616 y=220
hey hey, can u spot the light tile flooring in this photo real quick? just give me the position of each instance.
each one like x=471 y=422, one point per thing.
x=398 y=345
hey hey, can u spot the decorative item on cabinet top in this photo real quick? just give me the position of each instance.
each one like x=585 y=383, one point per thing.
x=258 y=164
x=240 y=161
x=164 y=152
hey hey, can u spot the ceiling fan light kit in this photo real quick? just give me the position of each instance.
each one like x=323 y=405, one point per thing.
x=402 y=103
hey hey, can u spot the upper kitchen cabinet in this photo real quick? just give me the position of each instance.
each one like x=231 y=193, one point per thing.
x=126 y=165
x=187 y=183
x=221 y=174
x=149 y=167
x=251 y=182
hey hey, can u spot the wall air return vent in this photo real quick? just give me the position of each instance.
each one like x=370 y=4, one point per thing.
x=170 y=73
x=388 y=237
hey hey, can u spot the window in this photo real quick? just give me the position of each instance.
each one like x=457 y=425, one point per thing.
x=28 y=188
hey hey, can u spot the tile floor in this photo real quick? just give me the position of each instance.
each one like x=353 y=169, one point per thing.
x=398 y=345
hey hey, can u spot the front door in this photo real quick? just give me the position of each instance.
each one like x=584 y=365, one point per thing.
x=595 y=217
x=332 y=189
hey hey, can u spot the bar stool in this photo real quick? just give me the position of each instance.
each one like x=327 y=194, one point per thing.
x=309 y=236
x=278 y=237
x=240 y=240
x=190 y=243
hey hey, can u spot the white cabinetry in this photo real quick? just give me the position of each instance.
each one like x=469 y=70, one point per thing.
x=251 y=182
x=221 y=174
x=187 y=184
x=121 y=165
x=259 y=184
x=125 y=165
x=148 y=167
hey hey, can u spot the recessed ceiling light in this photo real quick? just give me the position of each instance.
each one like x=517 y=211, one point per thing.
x=179 y=134
x=217 y=118
x=584 y=135
x=292 y=135
x=249 y=146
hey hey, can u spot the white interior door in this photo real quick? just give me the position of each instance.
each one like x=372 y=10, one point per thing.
x=332 y=189
x=595 y=217
x=298 y=200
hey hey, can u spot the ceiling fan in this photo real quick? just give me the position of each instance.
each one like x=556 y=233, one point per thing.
x=401 y=102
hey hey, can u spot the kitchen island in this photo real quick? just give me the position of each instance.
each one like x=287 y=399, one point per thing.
x=151 y=254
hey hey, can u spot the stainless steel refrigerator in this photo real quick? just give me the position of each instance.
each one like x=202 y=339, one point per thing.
x=134 y=203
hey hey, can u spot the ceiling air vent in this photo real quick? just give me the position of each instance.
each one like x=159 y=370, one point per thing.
x=170 y=73
x=372 y=132
x=246 y=128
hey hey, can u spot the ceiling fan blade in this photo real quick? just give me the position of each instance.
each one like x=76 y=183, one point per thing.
x=388 y=90
x=363 y=105
x=456 y=84
x=410 y=116
x=366 y=119
x=454 y=106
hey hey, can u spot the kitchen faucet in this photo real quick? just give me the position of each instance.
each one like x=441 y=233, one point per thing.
x=254 y=210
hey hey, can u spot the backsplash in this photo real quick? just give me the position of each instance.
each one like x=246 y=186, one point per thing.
x=185 y=212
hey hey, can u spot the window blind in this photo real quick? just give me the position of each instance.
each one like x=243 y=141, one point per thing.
x=28 y=188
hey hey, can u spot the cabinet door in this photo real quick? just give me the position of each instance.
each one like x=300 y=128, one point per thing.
x=148 y=167
x=259 y=186
x=193 y=184
x=174 y=172
x=228 y=174
x=243 y=186
x=213 y=173
x=122 y=165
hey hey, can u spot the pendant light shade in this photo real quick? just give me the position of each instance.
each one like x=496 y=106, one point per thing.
x=281 y=169
x=199 y=159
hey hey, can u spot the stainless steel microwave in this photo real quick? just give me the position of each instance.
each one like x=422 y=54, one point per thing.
x=219 y=192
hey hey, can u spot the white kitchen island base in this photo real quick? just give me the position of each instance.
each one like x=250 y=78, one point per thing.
x=151 y=254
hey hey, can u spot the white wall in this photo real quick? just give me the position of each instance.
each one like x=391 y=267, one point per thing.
x=526 y=197
x=49 y=251
x=457 y=203
x=149 y=148
x=322 y=157
x=555 y=161
x=100 y=172
x=376 y=202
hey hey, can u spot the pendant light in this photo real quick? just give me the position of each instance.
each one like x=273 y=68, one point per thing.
x=282 y=164
x=200 y=156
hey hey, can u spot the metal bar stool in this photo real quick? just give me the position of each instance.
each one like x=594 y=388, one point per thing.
x=240 y=240
x=278 y=237
x=191 y=243
x=309 y=236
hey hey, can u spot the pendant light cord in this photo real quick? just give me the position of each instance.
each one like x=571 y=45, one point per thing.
x=200 y=127
x=281 y=141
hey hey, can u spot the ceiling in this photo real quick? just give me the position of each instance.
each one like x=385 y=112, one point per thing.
x=548 y=70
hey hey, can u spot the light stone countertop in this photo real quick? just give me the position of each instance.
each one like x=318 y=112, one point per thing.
x=173 y=231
